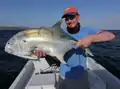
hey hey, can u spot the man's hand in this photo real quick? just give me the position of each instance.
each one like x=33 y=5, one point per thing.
x=84 y=42
x=39 y=53
x=100 y=36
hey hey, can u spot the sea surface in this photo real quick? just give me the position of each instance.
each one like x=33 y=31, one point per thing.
x=106 y=53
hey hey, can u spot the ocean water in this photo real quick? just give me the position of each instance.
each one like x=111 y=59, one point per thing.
x=106 y=53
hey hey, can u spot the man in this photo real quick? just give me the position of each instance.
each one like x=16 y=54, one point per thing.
x=73 y=75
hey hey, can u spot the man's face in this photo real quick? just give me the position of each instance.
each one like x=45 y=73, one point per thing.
x=72 y=20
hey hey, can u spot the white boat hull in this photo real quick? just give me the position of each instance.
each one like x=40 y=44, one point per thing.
x=30 y=77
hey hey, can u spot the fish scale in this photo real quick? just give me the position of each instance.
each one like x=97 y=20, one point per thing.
x=52 y=40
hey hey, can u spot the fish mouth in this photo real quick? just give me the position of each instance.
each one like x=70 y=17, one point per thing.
x=8 y=50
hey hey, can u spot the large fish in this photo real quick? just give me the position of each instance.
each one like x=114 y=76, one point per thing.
x=52 y=40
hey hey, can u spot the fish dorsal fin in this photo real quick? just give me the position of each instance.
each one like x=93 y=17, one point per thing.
x=57 y=25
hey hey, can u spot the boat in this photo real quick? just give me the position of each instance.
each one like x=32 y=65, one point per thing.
x=41 y=74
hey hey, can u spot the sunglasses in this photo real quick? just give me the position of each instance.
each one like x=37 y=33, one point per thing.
x=71 y=17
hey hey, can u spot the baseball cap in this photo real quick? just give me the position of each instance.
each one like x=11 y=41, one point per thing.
x=70 y=11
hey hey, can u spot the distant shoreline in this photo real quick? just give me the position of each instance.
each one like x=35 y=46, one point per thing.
x=23 y=28
x=12 y=28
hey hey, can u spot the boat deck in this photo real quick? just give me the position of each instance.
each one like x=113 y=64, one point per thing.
x=49 y=81
x=39 y=75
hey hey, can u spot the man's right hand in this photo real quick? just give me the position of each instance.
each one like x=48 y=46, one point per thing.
x=39 y=53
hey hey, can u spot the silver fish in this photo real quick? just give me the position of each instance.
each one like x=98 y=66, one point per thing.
x=53 y=40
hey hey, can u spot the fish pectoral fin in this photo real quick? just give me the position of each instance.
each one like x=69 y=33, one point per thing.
x=61 y=59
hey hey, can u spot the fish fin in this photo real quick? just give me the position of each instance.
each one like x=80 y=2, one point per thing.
x=57 y=25
x=88 y=51
x=74 y=42
x=61 y=59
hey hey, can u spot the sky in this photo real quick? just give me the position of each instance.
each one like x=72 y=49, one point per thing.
x=104 y=14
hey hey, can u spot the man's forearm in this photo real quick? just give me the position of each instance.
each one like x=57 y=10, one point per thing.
x=104 y=36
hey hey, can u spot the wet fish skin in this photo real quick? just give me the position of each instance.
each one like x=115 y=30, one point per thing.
x=52 y=40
